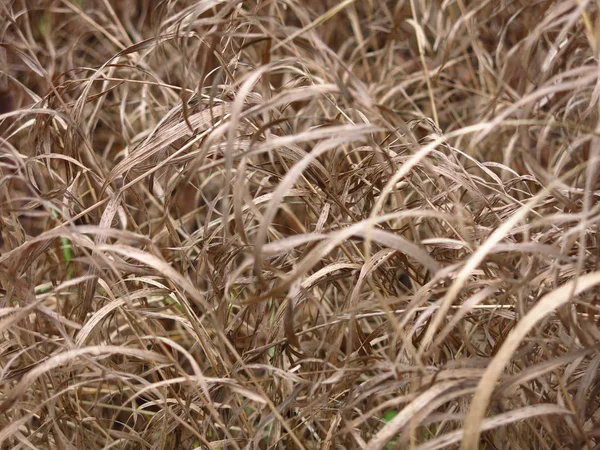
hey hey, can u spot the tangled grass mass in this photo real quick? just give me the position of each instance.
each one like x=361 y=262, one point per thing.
x=299 y=224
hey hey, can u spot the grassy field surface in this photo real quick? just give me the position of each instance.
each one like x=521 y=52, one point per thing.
x=294 y=224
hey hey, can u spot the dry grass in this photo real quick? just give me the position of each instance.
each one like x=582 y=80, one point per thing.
x=282 y=224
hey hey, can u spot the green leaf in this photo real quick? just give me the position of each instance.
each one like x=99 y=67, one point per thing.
x=390 y=415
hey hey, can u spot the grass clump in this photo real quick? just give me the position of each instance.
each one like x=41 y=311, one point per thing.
x=299 y=224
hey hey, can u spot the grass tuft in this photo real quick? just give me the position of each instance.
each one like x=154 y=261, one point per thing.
x=274 y=224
